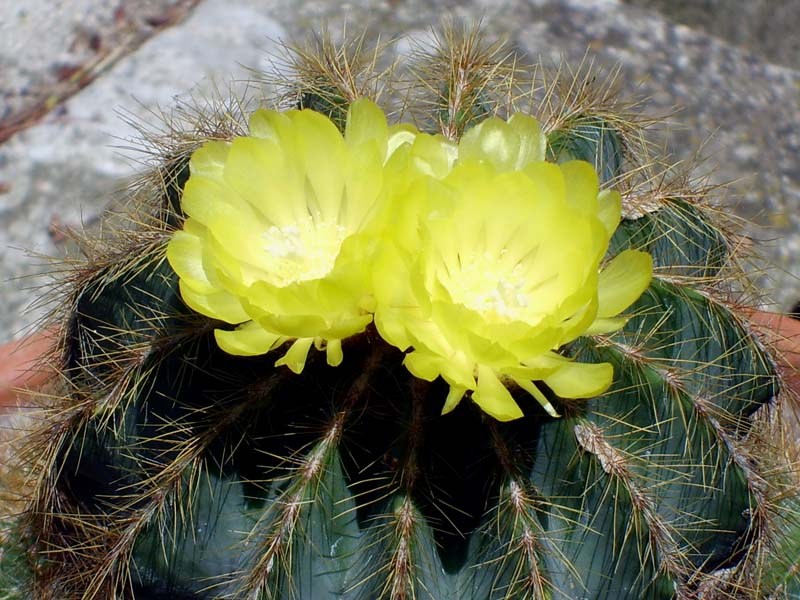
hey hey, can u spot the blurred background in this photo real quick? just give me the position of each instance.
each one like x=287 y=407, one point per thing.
x=74 y=72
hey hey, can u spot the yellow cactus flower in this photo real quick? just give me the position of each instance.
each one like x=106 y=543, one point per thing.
x=275 y=236
x=503 y=268
x=479 y=257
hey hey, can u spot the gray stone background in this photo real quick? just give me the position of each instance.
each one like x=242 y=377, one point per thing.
x=731 y=68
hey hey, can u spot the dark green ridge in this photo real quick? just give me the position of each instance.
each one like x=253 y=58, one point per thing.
x=591 y=139
x=678 y=236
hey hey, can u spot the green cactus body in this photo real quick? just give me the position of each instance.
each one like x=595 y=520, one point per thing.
x=176 y=470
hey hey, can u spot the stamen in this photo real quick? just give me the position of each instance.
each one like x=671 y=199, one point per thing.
x=498 y=295
x=302 y=251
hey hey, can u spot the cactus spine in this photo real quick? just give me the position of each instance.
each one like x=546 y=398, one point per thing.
x=171 y=468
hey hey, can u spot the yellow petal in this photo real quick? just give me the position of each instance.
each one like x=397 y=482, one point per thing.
x=396 y=304
x=263 y=171
x=363 y=180
x=292 y=325
x=220 y=305
x=248 y=339
x=534 y=391
x=209 y=159
x=322 y=158
x=491 y=141
x=344 y=326
x=333 y=352
x=582 y=186
x=606 y=325
x=271 y=125
x=295 y=357
x=185 y=256
x=399 y=136
x=209 y=200
x=533 y=142
x=549 y=188
x=493 y=397
x=453 y=398
x=580 y=380
x=524 y=340
x=422 y=365
x=391 y=273
x=444 y=335
x=366 y=124
x=622 y=282
x=487 y=351
x=297 y=299
x=610 y=210
x=578 y=324
x=433 y=155
x=506 y=145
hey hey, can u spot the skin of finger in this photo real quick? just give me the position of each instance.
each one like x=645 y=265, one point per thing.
x=786 y=339
x=21 y=366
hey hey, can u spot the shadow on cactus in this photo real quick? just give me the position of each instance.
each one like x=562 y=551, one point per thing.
x=344 y=355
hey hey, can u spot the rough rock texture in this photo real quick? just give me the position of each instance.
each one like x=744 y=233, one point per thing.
x=766 y=27
x=50 y=48
x=66 y=169
x=68 y=165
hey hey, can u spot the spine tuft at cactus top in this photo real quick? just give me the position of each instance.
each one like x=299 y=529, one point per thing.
x=445 y=332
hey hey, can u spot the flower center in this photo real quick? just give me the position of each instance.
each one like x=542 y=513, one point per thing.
x=302 y=251
x=482 y=285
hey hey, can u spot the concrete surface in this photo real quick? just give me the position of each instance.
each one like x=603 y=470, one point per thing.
x=767 y=28
x=68 y=164
x=65 y=169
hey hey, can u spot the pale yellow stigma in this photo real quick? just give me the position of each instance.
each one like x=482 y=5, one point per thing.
x=302 y=251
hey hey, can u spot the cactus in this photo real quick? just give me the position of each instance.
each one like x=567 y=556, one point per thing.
x=183 y=462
